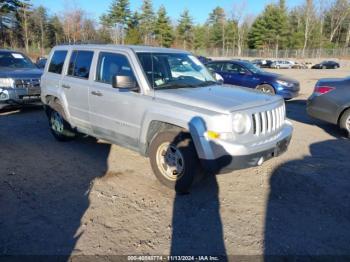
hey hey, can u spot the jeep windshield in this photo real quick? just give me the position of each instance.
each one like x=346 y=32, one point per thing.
x=174 y=70
x=15 y=60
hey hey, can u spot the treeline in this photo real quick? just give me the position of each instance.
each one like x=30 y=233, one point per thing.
x=313 y=24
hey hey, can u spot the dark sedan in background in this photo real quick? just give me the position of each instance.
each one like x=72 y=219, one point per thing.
x=262 y=63
x=330 y=102
x=326 y=65
x=242 y=73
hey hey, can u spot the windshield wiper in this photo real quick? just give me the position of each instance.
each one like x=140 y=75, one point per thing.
x=206 y=83
x=174 y=86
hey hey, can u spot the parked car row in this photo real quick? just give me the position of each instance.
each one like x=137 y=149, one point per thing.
x=288 y=64
x=166 y=105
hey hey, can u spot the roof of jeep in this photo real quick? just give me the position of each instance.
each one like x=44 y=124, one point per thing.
x=9 y=51
x=135 y=48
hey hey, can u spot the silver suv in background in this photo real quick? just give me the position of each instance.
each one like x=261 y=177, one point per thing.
x=19 y=79
x=164 y=104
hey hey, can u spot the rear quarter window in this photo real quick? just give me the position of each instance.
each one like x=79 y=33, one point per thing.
x=57 y=62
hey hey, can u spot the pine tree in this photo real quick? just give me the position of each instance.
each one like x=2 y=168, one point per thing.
x=55 y=34
x=163 y=29
x=147 y=21
x=217 y=23
x=270 y=29
x=133 y=36
x=117 y=17
x=200 y=39
x=185 y=29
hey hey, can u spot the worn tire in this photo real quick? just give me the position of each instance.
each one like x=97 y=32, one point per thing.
x=267 y=89
x=344 y=122
x=59 y=127
x=181 y=142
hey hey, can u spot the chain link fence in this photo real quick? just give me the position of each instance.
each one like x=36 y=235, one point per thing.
x=340 y=53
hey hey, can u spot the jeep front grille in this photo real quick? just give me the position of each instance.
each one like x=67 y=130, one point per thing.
x=27 y=83
x=269 y=121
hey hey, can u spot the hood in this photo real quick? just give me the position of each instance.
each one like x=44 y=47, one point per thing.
x=269 y=74
x=287 y=79
x=223 y=99
x=274 y=76
x=21 y=73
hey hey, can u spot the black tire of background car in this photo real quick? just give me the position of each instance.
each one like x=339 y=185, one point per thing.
x=183 y=142
x=343 y=120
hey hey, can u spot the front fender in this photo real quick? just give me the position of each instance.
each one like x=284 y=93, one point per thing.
x=195 y=125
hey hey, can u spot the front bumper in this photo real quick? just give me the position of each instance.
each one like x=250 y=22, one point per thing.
x=18 y=96
x=287 y=92
x=224 y=156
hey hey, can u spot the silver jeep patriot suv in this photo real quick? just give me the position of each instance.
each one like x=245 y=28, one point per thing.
x=164 y=104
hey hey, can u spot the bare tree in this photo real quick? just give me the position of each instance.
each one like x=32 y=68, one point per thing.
x=309 y=13
x=339 y=12
x=323 y=5
x=24 y=14
x=239 y=16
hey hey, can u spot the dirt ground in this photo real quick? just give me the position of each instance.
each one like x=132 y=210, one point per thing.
x=88 y=197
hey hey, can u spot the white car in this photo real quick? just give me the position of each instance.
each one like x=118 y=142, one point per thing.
x=282 y=64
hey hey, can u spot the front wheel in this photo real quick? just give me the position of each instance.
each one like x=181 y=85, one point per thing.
x=267 y=89
x=344 y=122
x=174 y=160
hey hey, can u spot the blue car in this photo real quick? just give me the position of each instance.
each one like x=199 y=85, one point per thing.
x=243 y=73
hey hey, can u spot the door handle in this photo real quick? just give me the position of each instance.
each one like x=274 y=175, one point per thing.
x=96 y=93
x=66 y=86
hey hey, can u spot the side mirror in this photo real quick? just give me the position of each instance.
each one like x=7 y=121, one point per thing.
x=124 y=82
x=219 y=78
x=40 y=65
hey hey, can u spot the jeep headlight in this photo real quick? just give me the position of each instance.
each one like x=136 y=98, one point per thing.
x=6 y=82
x=241 y=123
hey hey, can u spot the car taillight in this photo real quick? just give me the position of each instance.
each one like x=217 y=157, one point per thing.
x=321 y=90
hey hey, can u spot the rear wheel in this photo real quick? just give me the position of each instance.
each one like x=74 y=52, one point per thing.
x=344 y=122
x=59 y=127
x=267 y=89
x=174 y=160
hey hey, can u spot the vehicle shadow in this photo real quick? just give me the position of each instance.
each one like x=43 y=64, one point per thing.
x=308 y=208
x=196 y=223
x=20 y=109
x=44 y=185
x=296 y=110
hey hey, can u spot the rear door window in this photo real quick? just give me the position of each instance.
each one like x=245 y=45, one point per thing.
x=80 y=63
x=215 y=66
x=57 y=61
x=231 y=68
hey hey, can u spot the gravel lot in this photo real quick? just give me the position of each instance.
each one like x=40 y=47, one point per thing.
x=88 y=197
